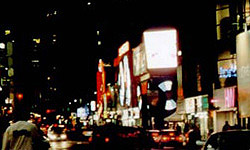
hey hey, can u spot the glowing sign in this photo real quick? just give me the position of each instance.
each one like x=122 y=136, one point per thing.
x=124 y=81
x=124 y=48
x=229 y=97
x=161 y=48
x=166 y=85
x=227 y=68
x=170 y=104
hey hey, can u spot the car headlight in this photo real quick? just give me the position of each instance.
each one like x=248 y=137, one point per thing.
x=63 y=136
x=52 y=136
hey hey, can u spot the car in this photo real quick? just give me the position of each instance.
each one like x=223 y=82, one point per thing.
x=166 y=137
x=57 y=133
x=228 y=140
x=118 y=137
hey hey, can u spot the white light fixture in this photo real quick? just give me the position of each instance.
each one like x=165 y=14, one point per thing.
x=166 y=86
x=2 y=46
x=170 y=104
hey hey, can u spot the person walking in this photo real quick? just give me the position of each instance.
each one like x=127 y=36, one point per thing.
x=21 y=135
x=226 y=126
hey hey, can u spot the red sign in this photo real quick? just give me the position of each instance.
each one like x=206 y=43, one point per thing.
x=100 y=81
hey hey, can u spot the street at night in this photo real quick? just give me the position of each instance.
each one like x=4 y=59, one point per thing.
x=125 y=75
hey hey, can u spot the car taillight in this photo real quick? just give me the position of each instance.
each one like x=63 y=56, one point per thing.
x=179 y=139
x=106 y=139
x=171 y=134
x=156 y=139
x=155 y=134
x=165 y=138
x=90 y=139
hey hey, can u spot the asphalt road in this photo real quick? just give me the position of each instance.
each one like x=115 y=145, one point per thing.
x=79 y=145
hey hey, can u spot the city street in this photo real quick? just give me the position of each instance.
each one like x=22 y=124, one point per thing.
x=68 y=145
x=124 y=74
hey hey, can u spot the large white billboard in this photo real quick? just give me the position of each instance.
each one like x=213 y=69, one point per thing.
x=243 y=72
x=161 y=48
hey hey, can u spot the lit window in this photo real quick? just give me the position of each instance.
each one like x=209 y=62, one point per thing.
x=98 y=32
x=2 y=46
x=7 y=32
x=35 y=61
x=99 y=43
x=38 y=40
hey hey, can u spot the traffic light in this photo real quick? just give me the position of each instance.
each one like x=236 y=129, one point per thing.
x=19 y=96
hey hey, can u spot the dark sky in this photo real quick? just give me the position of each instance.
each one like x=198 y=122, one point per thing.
x=117 y=20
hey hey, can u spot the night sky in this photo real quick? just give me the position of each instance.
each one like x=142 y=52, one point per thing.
x=117 y=20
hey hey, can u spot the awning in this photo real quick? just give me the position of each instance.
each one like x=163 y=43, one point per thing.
x=174 y=117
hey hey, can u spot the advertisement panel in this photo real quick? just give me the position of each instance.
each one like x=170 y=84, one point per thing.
x=161 y=48
x=100 y=82
x=139 y=60
x=243 y=72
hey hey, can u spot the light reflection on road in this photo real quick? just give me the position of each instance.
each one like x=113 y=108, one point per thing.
x=64 y=145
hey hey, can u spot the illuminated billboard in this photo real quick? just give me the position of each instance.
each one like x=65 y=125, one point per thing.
x=161 y=48
x=139 y=60
x=124 y=82
x=243 y=72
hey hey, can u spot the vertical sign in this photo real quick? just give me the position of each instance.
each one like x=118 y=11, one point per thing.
x=243 y=72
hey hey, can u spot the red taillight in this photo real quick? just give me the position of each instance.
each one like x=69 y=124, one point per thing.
x=106 y=139
x=179 y=139
x=165 y=138
x=155 y=134
x=171 y=134
x=90 y=139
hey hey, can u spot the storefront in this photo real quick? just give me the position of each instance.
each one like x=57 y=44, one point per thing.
x=225 y=100
x=196 y=109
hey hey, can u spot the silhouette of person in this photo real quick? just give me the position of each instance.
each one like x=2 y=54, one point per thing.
x=194 y=135
x=226 y=126
x=21 y=135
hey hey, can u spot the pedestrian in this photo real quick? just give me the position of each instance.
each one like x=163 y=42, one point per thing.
x=226 y=126
x=178 y=129
x=21 y=135
x=194 y=136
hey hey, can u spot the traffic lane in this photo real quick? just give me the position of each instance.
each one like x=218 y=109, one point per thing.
x=68 y=145
x=170 y=148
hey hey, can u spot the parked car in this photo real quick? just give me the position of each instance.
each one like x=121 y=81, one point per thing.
x=228 y=140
